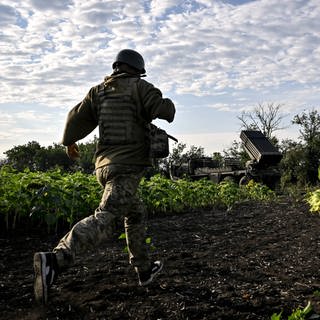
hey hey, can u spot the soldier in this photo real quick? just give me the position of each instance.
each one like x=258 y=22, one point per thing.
x=121 y=106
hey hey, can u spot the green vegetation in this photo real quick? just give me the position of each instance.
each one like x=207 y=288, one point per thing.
x=54 y=197
x=46 y=197
x=313 y=198
x=164 y=195
x=297 y=314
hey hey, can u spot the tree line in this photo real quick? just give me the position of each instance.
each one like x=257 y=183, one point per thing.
x=35 y=157
x=299 y=165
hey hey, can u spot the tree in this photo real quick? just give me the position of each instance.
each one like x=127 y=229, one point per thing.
x=265 y=118
x=309 y=123
x=178 y=157
x=292 y=165
x=21 y=157
x=218 y=158
x=310 y=126
x=236 y=150
x=52 y=157
x=38 y=158
x=87 y=152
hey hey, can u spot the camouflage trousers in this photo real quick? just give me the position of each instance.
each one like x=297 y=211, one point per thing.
x=119 y=202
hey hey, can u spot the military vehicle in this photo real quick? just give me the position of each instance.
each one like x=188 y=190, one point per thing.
x=262 y=167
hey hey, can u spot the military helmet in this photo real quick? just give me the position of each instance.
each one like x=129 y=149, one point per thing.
x=131 y=58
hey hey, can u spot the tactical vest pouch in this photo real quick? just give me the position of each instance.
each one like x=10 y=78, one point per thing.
x=159 y=142
x=157 y=137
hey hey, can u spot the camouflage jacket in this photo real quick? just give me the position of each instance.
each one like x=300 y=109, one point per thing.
x=84 y=118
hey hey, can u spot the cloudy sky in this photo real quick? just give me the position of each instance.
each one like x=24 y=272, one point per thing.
x=213 y=58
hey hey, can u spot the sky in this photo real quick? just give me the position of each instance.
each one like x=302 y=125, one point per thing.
x=214 y=58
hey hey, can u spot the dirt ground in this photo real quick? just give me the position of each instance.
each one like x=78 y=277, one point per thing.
x=244 y=264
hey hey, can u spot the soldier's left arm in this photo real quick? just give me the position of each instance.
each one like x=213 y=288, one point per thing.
x=154 y=104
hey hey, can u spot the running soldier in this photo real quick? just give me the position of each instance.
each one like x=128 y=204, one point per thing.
x=121 y=106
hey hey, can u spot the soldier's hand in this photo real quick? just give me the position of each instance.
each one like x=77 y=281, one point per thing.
x=73 y=151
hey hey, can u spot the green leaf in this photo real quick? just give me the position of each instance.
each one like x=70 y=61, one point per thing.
x=122 y=236
x=276 y=316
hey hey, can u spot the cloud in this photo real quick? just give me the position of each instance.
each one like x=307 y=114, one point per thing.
x=55 y=5
x=159 y=7
x=7 y=15
x=226 y=54
x=212 y=47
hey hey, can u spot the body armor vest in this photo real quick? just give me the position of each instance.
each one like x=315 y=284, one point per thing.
x=118 y=118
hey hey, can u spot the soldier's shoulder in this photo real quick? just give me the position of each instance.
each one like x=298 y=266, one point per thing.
x=145 y=83
x=97 y=87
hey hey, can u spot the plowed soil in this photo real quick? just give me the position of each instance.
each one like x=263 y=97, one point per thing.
x=248 y=263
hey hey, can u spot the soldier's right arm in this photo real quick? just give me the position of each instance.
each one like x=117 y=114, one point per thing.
x=155 y=106
x=81 y=120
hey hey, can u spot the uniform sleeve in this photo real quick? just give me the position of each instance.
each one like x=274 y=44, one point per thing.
x=81 y=120
x=155 y=106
